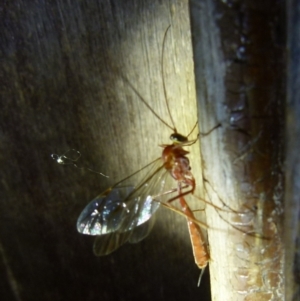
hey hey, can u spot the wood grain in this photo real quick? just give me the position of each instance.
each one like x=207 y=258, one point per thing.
x=62 y=89
x=239 y=63
x=292 y=131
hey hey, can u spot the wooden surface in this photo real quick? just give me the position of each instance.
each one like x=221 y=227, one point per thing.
x=239 y=51
x=292 y=200
x=62 y=89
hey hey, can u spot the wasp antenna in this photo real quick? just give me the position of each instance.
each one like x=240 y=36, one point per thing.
x=163 y=79
x=145 y=102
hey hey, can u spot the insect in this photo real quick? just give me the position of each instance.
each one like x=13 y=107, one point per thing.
x=125 y=212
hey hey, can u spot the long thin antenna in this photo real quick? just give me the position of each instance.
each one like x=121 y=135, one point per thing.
x=145 y=102
x=163 y=79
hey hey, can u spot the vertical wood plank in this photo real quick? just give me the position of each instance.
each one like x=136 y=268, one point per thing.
x=239 y=63
x=292 y=201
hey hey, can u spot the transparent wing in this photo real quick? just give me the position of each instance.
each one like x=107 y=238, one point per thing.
x=108 y=243
x=116 y=212
x=124 y=206
x=142 y=231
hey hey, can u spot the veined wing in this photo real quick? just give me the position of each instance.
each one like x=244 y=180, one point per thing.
x=124 y=206
x=106 y=244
